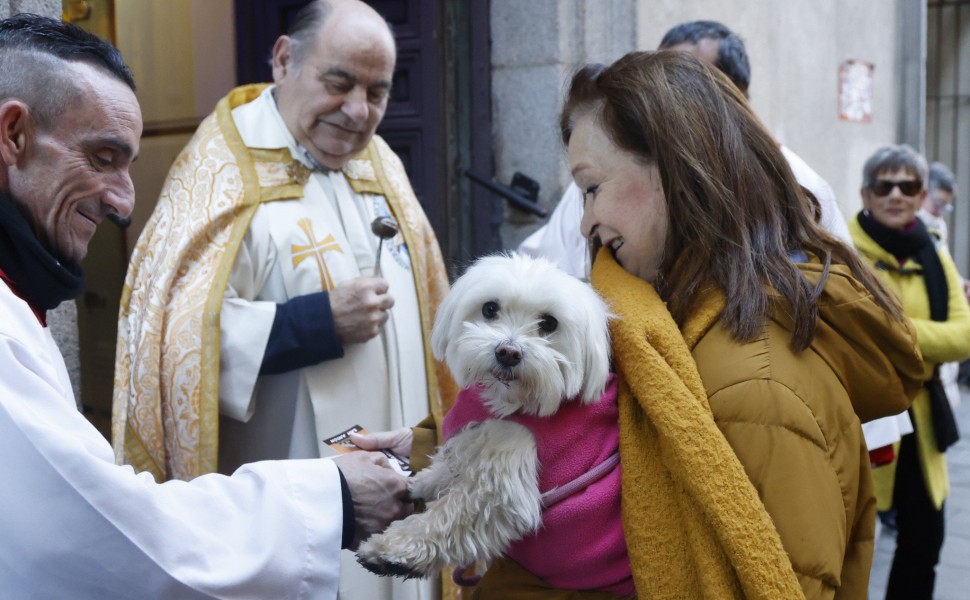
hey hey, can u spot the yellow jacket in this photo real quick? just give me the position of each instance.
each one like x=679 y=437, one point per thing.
x=793 y=419
x=938 y=342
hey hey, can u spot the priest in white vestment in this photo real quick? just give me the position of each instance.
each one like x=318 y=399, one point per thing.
x=271 y=305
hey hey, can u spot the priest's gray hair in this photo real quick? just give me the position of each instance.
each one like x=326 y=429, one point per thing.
x=309 y=20
x=303 y=30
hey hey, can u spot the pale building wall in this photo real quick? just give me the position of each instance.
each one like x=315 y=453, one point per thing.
x=795 y=48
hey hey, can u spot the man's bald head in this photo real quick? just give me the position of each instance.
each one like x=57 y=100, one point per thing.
x=312 y=17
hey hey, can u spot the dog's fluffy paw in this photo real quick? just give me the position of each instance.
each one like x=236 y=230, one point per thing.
x=383 y=568
x=419 y=490
x=376 y=556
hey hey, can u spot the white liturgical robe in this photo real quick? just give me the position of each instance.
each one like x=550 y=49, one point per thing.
x=297 y=247
x=75 y=525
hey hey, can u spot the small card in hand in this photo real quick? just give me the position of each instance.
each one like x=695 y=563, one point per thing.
x=342 y=443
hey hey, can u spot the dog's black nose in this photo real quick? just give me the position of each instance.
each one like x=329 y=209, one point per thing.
x=508 y=354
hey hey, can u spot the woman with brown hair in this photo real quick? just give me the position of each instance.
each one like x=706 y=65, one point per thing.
x=749 y=344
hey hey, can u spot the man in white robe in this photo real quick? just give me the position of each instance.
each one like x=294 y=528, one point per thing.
x=272 y=307
x=73 y=523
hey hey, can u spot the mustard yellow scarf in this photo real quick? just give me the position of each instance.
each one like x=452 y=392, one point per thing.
x=694 y=524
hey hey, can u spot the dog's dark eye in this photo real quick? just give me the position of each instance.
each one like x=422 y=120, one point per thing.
x=548 y=323
x=490 y=310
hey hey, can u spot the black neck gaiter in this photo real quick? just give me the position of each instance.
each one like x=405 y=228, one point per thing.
x=42 y=280
x=917 y=244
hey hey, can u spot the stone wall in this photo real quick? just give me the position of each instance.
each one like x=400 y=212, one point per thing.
x=50 y=8
x=795 y=48
x=535 y=47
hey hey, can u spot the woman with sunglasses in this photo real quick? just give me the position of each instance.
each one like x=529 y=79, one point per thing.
x=907 y=258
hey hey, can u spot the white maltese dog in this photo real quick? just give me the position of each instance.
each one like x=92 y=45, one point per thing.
x=530 y=454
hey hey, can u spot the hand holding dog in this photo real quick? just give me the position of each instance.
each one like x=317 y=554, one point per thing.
x=360 y=308
x=380 y=494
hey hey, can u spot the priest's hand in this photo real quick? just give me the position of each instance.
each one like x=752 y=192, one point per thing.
x=380 y=494
x=397 y=441
x=359 y=308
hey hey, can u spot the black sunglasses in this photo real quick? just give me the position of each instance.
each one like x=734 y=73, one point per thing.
x=884 y=187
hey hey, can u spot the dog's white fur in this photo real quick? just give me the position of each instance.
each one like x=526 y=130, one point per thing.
x=482 y=486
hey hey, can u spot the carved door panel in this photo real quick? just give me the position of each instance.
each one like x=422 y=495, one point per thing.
x=258 y=24
x=438 y=120
x=412 y=124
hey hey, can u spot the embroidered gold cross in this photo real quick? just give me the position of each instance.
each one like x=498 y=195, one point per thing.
x=315 y=250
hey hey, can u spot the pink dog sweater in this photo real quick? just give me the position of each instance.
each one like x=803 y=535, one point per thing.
x=580 y=545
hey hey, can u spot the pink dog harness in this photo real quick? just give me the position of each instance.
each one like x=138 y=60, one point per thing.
x=580 y=545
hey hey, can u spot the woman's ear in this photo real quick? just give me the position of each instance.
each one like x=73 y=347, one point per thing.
x=15 y=123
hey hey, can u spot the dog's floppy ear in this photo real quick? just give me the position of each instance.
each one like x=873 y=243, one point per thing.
x=443 y=324
x=596 y=350
x=447 y=322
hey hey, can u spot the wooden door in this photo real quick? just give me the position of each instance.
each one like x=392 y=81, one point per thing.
x=412 y=124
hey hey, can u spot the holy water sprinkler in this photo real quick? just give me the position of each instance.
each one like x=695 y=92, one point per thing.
x=384 y=228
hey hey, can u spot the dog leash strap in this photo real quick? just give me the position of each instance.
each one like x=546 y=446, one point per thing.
x=556 y=495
